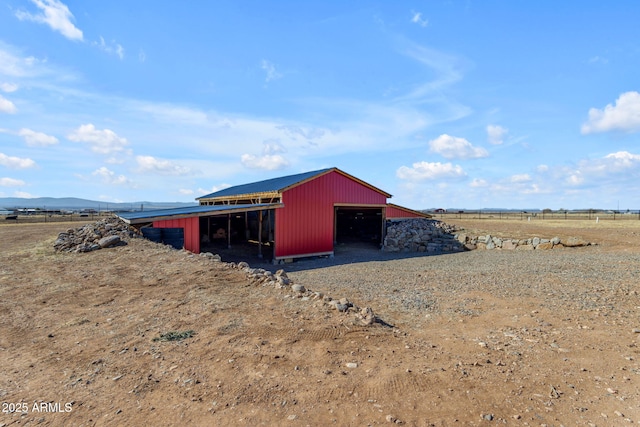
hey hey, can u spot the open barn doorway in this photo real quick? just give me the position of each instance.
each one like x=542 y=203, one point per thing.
x=240 y=236
x=359 y=225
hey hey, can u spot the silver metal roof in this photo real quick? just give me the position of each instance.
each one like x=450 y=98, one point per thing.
x=191 y=211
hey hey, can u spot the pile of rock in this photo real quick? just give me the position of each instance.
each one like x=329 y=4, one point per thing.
x=433 y=236
x=537 y=243
x=97 y=235
x=420 y=235
x=279 y=280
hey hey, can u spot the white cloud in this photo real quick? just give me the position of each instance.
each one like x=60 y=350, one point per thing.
x=622 y=160
x=309 y=133
x=542 y=168
x=56 y=15
x=575 y=178
x=496 y=134
x=623 y=116
x=185 y=191
x=102 y=141
x=112 y=49
x=416 y=18
x=16 y=162
x=7 y=106
x=520 y=178
x=451 y=147
x=23 y=195
x=10 y=182
x=478 y=183
x=271 y=158
x=421 y=171
x=213 y=189
x=8 y=87
x=273 y=147
x=534 y=189
x=150 y=164
x=598 y=60
x=173 y=113
x=110 y=177
x=270 y=70
x=447 y=70
x=613 y=167
x=266 y=162
x=37 y=139
x=11 y=64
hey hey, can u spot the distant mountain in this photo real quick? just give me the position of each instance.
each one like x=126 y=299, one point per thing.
x=74 y=203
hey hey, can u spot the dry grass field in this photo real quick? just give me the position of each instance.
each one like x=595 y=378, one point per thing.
x=81 y=341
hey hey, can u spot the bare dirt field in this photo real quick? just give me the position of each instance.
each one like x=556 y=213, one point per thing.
x=537 y=338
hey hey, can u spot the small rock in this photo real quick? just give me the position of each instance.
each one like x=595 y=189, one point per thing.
x=366 y=316
x=341 y=307
x=292 y=417
x=488 y=417
x=283 y=280
x=105 y=242
x=391 y=418
x=298 y=288
x=351 y=365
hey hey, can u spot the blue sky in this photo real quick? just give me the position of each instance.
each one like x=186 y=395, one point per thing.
x=467 y=104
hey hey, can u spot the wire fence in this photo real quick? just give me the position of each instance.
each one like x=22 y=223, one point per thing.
x=38 y=218
x=594 y=215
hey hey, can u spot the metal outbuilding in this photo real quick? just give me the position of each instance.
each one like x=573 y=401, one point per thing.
x=298 y=215
x=394 y=211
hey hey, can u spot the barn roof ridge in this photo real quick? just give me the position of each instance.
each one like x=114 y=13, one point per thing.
x=409 y=210
x=283 y=183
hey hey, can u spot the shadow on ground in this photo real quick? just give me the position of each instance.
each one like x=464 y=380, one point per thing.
x=344 y=253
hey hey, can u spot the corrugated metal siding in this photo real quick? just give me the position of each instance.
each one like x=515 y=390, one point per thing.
x=305 y=224
x=393 y=212
x=191 y=228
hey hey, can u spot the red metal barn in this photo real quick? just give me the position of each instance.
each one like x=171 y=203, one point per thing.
x=294 y=216
x=307 y=223
x=191 y=230
x=400 y=212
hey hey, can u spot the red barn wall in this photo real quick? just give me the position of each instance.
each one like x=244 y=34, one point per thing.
x=393 y=212
x=304 y=226
x=191 y=228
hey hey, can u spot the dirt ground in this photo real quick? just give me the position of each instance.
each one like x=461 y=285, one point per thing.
x=79 y=346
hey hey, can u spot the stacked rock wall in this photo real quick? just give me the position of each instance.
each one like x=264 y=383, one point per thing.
x=534 y=243
x=420 y=235
x=433 y=236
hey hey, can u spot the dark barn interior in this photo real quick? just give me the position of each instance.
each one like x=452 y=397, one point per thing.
x=358 y=224
x=235 y=236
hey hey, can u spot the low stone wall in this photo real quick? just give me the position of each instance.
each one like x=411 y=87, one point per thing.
x=421 y=235
x=363 y=316
x=534 y=243
x=433 y=236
